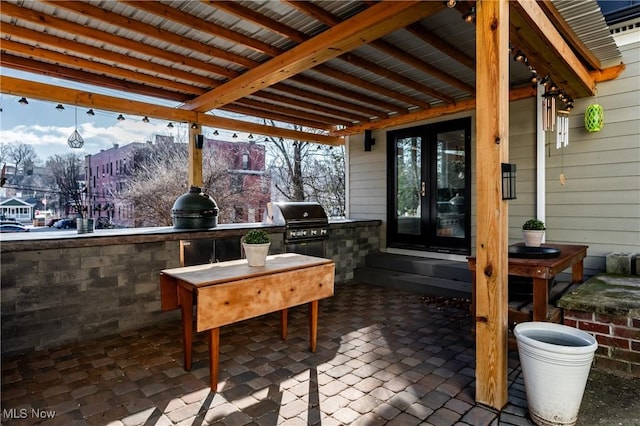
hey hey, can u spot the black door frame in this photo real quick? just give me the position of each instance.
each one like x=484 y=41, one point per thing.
x=427 y=240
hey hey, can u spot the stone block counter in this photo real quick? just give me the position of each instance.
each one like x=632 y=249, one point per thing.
x=61 y=286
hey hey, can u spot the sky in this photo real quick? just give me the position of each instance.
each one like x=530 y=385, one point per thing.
x=47 y=129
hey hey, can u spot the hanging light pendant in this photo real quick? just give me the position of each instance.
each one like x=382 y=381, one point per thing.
x=75 y=140
x=594 y=118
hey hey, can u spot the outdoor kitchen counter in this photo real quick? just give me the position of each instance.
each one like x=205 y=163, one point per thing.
x=61 y=286
x=28 y=241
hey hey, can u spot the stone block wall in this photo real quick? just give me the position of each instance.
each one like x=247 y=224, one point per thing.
x=348 y=248
x=53 y=295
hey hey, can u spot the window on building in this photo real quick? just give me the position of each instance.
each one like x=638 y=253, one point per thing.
x=245 y=160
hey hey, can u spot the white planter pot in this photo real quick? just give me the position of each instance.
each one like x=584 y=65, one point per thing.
x=556 y=360
x=533 y=238
x=256 y=254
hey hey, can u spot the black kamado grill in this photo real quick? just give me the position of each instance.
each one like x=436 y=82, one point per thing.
x=194 y=210
x=306 y=226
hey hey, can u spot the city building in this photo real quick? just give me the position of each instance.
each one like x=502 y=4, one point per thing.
x=108 y=172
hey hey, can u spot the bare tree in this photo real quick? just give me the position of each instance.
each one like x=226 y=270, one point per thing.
x=22 y=156
x=160 y=177
x=304 y=171
x=66 y=173
x=287 y=167
x=4 y=152
x=326 y=182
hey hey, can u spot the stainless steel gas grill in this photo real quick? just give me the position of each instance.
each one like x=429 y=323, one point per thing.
x=306 y=226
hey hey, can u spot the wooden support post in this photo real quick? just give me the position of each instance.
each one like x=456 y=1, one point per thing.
x=492 y=149
x=195 y=157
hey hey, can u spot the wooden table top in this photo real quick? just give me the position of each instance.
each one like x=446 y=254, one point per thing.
x=546 y=267
x=224 y=272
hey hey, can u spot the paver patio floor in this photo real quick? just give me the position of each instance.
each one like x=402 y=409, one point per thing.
x=384 y=357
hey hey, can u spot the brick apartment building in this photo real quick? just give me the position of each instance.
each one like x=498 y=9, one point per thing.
x=108 y=171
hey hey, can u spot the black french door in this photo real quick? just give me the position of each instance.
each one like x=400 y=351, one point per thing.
x=428 y=183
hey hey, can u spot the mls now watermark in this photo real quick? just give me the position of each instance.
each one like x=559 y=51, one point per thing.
x=27 y=413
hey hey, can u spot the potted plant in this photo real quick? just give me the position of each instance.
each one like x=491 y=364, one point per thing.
x=256 y=244
x=533 y=232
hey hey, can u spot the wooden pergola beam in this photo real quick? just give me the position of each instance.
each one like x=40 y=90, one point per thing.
x=492 y=214
x=47 y=92
x=378 y=20
x=534 y=33
x=434 y=112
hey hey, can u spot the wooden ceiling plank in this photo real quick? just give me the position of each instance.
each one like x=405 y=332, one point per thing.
x=423 y=66
x=128 y=24
x=273 y=115
x=258 y=19
x=194 y=22
x=98 y=68
x=306 y=105
x=540 y=36
x=374 y=104
x=329 y=101
x=398 y=78
x=34 y=17
x=428 y=37
x=58 y=71
x=47 y=92
x=370 y=87
x=315 y=11
x=293 y=112
x=107 y=55
x=369 y=25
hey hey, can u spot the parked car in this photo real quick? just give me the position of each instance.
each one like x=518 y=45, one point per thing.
x=13 y=227
x=52 y=221
x=65 y=224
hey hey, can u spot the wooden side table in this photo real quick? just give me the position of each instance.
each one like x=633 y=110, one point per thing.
x=227 y=292
x=542 y=271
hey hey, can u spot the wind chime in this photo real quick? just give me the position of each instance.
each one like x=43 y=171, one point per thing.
x=555 y=120
x=75 y=140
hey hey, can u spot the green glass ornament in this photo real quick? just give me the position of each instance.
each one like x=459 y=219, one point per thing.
x=594 y=118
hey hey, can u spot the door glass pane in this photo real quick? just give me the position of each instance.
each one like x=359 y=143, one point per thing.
x=451 y=184
x=408 y=185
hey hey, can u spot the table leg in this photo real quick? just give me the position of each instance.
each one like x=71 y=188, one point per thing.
x=283 y=323
x=540 y=299
x=313 y=324
x=577 y=272
x=214 y=357
x=186 y=306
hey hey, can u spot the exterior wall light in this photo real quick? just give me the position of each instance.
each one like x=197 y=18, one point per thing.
x=508 y=181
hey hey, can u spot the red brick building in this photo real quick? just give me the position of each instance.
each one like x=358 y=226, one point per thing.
x=108 y=171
